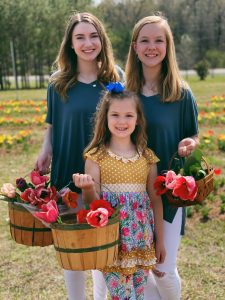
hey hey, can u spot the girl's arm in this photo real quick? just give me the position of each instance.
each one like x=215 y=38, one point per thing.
x=158 y=214
x=87 y=182
x=45 y=156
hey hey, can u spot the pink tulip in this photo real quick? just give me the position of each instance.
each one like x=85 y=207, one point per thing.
x=170 y=179
x=185 y=188
x=49 y=212
x=38 y=179
x=98 y=217
x=8 y=190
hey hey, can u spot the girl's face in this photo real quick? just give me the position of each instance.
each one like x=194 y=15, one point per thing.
x=86 y=42
x=151 y=44
x=122 y=118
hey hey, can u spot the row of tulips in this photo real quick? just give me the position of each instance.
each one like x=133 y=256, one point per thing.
x=211 y=118
x=9 y=140
x=212 y=142
x=36 y=120
x=22 y=110
x=22 y=103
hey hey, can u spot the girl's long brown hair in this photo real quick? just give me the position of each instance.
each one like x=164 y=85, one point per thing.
x=102 y=134
x=66 y=60
x=171 y=83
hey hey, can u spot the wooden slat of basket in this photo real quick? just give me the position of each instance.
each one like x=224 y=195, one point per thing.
x=27 y=230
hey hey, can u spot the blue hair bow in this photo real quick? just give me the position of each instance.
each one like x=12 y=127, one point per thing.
x=115 y=87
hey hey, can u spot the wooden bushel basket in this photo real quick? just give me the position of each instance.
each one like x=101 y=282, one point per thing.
x=205 y=187
x=27 y=230
x=82 y=247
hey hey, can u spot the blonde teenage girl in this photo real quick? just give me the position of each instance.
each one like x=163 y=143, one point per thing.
x=171 y=116
x=118 y=159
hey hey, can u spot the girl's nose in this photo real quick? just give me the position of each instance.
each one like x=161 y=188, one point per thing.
x=88 y=42
x=151 y=45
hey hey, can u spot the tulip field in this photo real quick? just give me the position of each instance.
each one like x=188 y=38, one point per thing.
x=32 y=273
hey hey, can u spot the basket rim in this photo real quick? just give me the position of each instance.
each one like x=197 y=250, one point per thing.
x=76 y=226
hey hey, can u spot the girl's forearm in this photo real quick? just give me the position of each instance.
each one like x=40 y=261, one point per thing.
x=47 y=143
x=89 y=195
x=158 y=219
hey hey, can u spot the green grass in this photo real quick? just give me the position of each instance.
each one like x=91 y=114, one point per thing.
x=202 y=90
x=32 y=273
x=32 y=94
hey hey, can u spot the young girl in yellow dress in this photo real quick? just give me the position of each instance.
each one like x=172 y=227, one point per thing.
x=118 y=159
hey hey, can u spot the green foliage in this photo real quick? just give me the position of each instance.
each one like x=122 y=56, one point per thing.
x=202 y=69
x=189 y=212
x=216 y=58
x=205 y=212
x=192 y=165
x=222 y=208
x=222 y=198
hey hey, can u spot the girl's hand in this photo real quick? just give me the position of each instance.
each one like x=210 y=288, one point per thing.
x=186 y=146
x=43 y=162
x=160 y=252
x=83 y=181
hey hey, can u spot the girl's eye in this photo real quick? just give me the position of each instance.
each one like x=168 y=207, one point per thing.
x=95 y=36
x=114 y=115
x=159 y=41
x=130 y=116
x=144 y=41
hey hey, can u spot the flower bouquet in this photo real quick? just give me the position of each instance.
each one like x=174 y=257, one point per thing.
x=190 y=185
x=30 y=202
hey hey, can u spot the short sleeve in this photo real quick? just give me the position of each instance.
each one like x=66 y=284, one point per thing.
x=190 y=115
x=94 y=154
x=151 y=157
x=50 y=104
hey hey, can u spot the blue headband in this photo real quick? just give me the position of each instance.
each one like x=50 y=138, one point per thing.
x=115 y=87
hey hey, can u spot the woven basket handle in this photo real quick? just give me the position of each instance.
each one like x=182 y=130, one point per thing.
x=176 y=154
x=172 y=159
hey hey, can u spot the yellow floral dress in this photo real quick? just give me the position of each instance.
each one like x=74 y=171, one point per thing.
x=123 y=182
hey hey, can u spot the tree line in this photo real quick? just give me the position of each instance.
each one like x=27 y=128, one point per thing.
x=31 y=32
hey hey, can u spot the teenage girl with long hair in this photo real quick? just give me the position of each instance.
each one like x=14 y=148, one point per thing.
x=171 y=115
x=121 y=169
x=85 y=64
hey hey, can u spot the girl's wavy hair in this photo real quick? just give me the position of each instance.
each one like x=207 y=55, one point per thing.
x=66 y=60
x=102 y=135
x=171 y=83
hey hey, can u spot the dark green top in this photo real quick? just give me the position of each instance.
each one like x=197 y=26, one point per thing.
x=167 y=124
x=71 y=122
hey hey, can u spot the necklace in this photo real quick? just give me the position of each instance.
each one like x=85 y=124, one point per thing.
x=150 y=89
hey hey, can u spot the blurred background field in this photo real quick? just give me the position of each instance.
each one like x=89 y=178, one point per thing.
x=33 y=273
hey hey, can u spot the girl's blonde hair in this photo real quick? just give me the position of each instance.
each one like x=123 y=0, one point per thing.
x=66 y=60
x=171 y=84
x=101 y=131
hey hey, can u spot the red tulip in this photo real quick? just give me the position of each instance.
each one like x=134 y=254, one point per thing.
x=81 y=216
x=70 y=199
x=159 y=185
x=217 y=171
x=185 y=188
x=98 y=217
x=38 y=179
x=49 y=212
x=101 y=203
